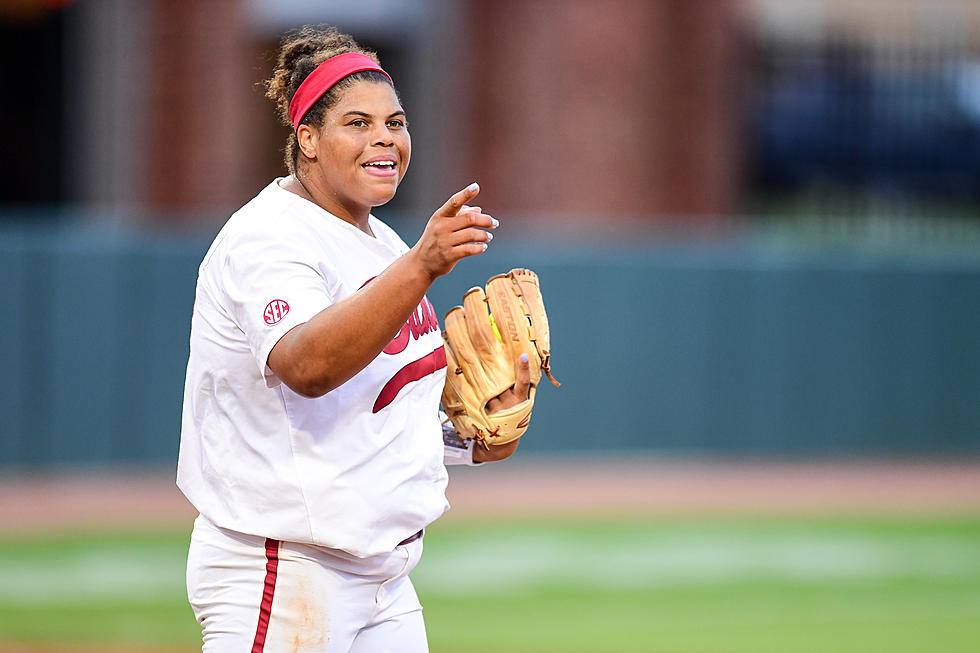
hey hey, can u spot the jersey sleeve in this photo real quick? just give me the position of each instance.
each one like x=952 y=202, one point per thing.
x=271 y=286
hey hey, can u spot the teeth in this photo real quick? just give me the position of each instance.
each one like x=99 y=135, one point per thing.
x=385 y=164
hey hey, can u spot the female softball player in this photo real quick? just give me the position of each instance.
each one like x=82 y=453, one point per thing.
x=311 y=441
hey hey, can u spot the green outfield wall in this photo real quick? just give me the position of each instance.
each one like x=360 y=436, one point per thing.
x=722 y=350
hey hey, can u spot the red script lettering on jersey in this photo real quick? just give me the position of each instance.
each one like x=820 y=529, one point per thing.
x=423 y=320
x=414 y=371
x=275 y=311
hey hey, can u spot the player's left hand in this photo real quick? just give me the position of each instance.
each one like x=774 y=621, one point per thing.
x=514 y=395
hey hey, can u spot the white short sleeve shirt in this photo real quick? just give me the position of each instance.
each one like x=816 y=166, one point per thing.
x=358 y=469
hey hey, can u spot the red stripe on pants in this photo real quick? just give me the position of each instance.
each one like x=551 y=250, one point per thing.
x=268 y=592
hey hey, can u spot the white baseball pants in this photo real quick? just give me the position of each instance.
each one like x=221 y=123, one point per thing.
x=265 y=596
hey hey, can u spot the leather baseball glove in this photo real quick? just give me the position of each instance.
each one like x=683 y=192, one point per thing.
x=482 y=350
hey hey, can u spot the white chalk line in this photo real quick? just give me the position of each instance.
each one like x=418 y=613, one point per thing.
x=530 y=561
x=536 y=560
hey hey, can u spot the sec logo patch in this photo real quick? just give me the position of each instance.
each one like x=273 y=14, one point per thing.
x=275 y=311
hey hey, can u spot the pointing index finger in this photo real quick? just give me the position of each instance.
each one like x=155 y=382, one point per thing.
x=455 y=203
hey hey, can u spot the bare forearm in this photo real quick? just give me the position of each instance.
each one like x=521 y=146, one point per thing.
x=337 y=343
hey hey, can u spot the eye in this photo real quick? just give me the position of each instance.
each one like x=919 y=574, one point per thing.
x=396 y=123
x=358 y=122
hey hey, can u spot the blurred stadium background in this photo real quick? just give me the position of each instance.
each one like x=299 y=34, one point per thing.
x=757 y=224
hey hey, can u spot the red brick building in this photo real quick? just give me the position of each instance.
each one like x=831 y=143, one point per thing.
x=601 y=109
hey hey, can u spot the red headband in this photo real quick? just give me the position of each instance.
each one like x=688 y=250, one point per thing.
x=324 y=77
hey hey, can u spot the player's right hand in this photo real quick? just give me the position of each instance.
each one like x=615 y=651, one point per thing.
x=454 y=232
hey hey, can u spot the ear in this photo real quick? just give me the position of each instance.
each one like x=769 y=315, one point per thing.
x=306 y=136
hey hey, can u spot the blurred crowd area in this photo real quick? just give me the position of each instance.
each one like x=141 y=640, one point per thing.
x=856 y=119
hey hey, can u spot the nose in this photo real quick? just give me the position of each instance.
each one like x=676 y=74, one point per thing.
x=383 y=137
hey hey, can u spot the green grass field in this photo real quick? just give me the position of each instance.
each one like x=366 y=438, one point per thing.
x=653 y=585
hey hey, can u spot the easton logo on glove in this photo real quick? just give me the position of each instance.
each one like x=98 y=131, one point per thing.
x=482 y=349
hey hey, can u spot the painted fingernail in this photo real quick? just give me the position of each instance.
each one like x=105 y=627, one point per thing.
x=484 y=246
x=489 y=236
x=495 y=222
x=472 y=187
x=524 y=358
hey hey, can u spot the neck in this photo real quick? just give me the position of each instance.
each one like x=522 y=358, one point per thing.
x=308 y=188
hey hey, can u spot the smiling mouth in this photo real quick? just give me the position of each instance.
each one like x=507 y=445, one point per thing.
x=380 y=166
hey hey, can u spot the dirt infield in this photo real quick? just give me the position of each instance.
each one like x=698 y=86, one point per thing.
x=531 y=487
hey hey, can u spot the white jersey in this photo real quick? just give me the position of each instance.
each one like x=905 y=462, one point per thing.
x=358 y=469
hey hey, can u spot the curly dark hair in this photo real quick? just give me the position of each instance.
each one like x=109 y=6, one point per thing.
x=300 y=52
